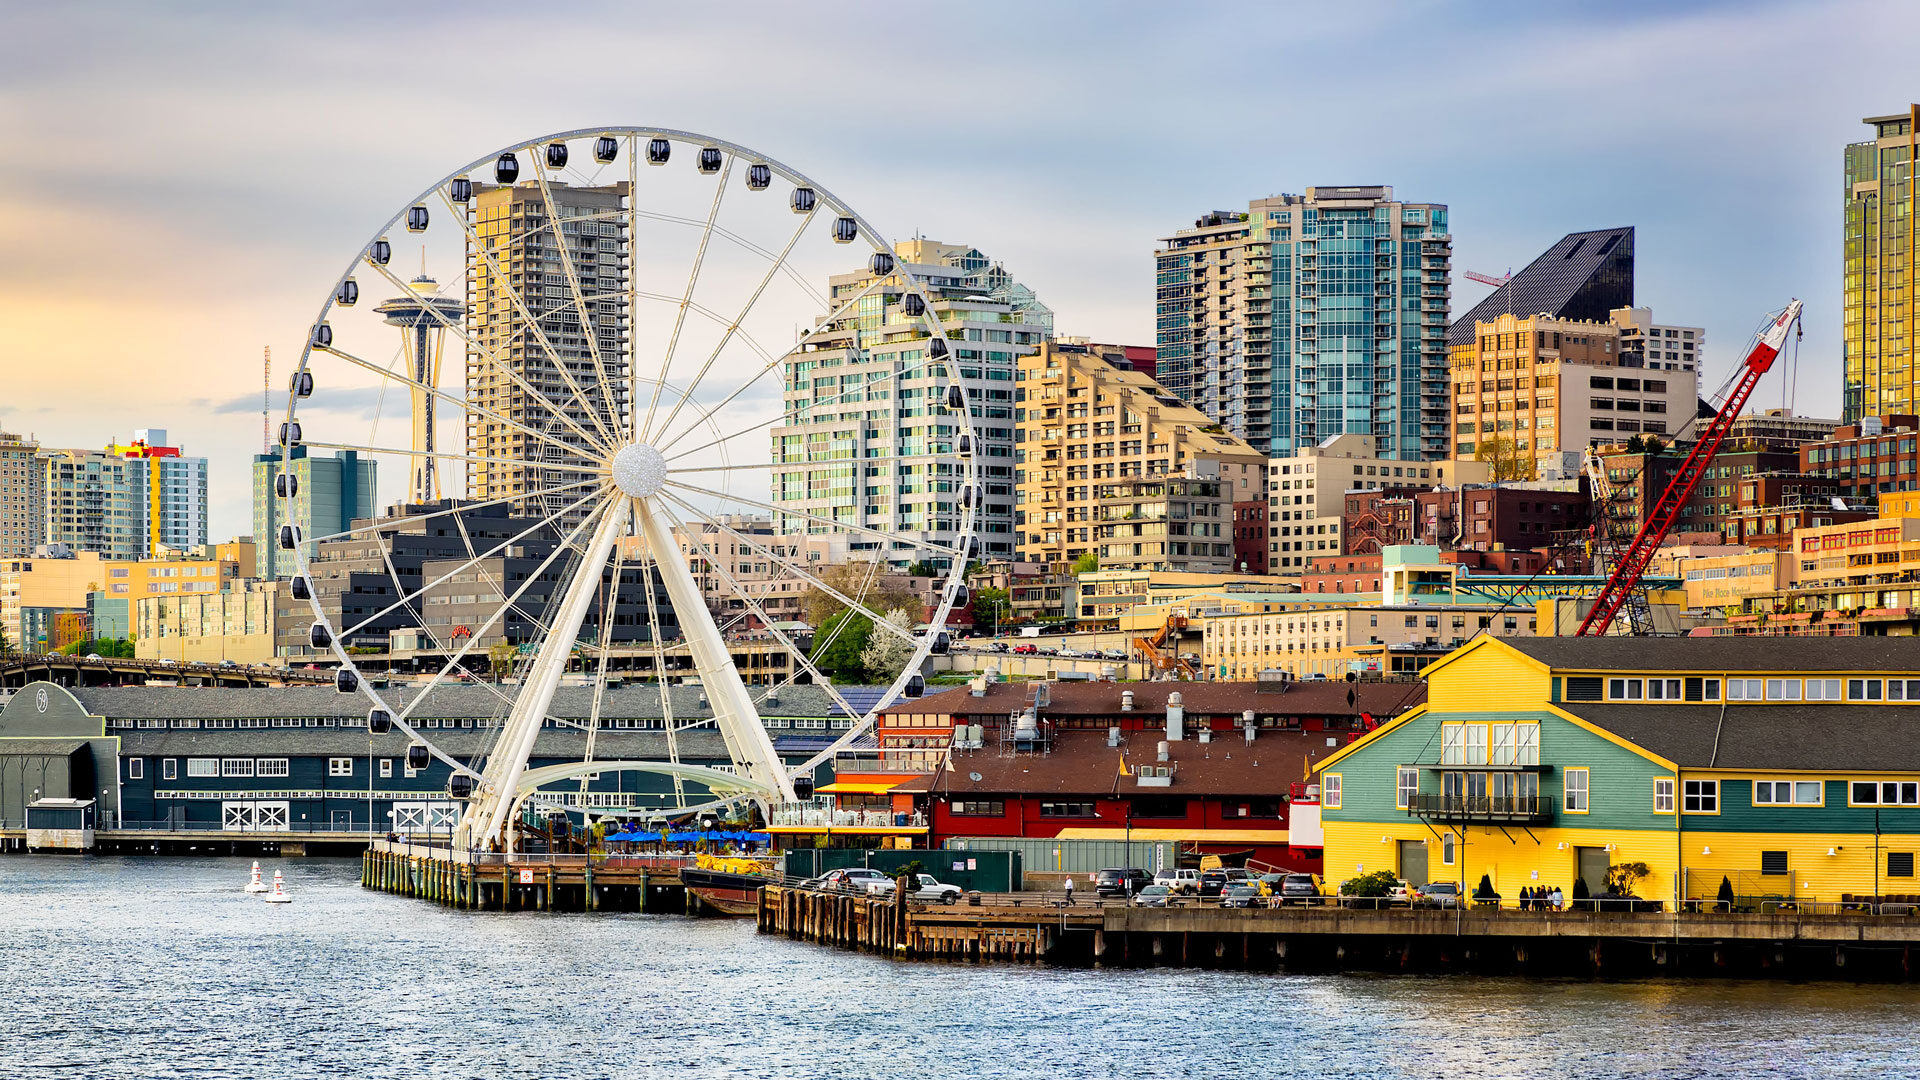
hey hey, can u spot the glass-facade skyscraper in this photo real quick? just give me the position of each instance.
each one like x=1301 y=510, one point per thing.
x=1882 y=329
x=1311 y=316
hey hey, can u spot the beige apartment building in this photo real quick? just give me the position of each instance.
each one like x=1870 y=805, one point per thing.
x=1111 y=464
x=21 y=515
x=1331 y=641
x=1533 y=392
x=240 y=624
x=34 y=590
x=1306 y=493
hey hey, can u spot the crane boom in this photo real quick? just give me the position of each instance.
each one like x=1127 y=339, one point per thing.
x=1639 y=554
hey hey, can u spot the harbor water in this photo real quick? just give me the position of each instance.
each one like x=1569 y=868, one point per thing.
x=163 y=967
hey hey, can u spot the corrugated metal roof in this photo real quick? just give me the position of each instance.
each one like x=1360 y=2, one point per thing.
x=1826 y=738
x=1758 y=654
x=348 y=742
x=40 y=747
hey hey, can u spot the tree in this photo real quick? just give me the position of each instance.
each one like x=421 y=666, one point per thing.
x=1484 y=890
x=1377 y=884
x=887 y=652
x=500 y=659
x=838 y=645
x=1086 y=564
x=1724 y=899
x=1504 y=459
x=1654 y=446
x=992 y=607
x=1637 y=445
x=867 y=582
x=6 y=646
x=1623 y=877
x=1580 y=889
x=923 y=568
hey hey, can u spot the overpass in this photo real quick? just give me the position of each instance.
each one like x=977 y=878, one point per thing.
x=19 y=669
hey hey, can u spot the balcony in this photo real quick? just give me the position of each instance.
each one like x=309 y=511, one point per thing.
x=1495 y=809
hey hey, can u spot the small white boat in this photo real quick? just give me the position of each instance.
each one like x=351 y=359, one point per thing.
x=256 y=885
x=279 y=893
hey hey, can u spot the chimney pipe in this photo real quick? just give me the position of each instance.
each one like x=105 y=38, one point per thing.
x=1160 y=750
x=1176 y=718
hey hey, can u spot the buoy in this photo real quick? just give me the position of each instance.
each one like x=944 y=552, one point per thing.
x=279 y=893
x=256 y=885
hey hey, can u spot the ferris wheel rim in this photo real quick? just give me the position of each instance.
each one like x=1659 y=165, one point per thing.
x=682 y=512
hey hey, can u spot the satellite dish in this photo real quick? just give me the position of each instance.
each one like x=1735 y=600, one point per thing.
x=974 y=776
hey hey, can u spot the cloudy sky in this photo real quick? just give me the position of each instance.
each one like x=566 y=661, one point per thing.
x=185 y=183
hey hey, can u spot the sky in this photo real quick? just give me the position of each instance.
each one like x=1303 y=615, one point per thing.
x=188 y=181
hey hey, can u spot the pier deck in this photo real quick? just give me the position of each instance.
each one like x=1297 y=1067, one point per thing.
x=527 y=882
x=1038 y=928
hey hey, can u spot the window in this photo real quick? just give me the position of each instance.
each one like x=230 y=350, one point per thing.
x=1476 y=743
x=203 y=766
x=271 y=766
x=386 y=767
x=1330 y=791
x=1823 y=689
x=1773 y=862
x=1903 y=689
x=136 y=768
x=1663 y=689
x=1446 y=849
x=978 y=807
x=1452 y=745
x=236 y=766
x=1787 y=793
x=1406 y=785
x=1743 y=689
x=1865 y=690
x=1066 y=809
x=1701 y=797
x=170 y=769
x=1575 y=791
x=1663 y=794
x=1783 y=689
x=1883 y=793
x=1899 y=864
x=1526 y=744
x=340 y=766
x=1625 y=689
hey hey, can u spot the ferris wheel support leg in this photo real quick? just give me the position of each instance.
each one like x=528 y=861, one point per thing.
x=488 y=812
x=733 y=711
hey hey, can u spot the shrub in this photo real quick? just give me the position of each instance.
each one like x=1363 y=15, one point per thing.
x=1379 y=883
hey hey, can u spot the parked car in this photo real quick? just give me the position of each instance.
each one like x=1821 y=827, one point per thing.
x=1212 y=882
x=1114 y=654
x=1120 y=881
x=1298 y=889
x=1180 y=881
x=1242 y=896
x=1066 y=652
x=1400 y=893
x=926 y=888
x=1026 y=648
x=1153 y=896
x=1443 y=894
x=852 y=879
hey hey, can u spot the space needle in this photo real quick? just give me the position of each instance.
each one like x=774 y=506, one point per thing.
x=423 y=319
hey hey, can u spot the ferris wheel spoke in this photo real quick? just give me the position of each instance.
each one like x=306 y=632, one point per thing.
x=493 y=358
x=588 y=329
x=376 y=524
x=925 y=545
x=693 y=282
x=799 y=654
x=656 y=640
x=734 y=326
x=801 y=414
x=632 y=353
x=879 y=620
x=551 y=521
x=461 y=403
x=772 y=362
x=608 y=606
x=448 y=455
x=511 y=603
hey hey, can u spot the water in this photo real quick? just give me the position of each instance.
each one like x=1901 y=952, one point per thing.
x=162 y=967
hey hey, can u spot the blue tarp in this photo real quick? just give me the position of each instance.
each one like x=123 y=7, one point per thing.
x=691 y=836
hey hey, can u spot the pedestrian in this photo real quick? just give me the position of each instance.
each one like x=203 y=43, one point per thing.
x=1069 y=884
x=1558 y=900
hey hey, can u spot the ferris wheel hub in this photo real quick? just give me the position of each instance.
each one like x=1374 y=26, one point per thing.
x=639 y=470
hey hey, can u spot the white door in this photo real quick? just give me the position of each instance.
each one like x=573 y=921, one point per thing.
x=409 y=816
x=236 y=816
x=270 y=815
x=442 y=817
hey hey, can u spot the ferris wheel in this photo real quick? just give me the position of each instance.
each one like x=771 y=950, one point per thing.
x=626 y=353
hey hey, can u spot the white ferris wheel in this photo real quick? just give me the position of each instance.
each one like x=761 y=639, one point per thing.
x=592 y=381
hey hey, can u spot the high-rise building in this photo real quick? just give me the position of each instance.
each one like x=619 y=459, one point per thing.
x=171 y=489
x=1110 y=464
x=22 y=515
x=880 y=456
x=1585 y=277
x=1531 y=393
x=94 y=501
x=520 y=252
x=1311 y=316
x=332 y=493
x=1879 y=246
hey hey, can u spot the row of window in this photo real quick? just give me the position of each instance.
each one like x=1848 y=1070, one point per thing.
x=1696 y=796
x=1647 y=688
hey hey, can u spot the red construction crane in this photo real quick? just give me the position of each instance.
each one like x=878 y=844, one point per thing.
x=1633 y=562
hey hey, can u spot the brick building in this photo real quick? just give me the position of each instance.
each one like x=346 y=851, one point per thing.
x=1494 y=518
x=1250 y=536
x=1868 y=458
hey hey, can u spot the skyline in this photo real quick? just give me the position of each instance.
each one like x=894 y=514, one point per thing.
x=254 y=152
